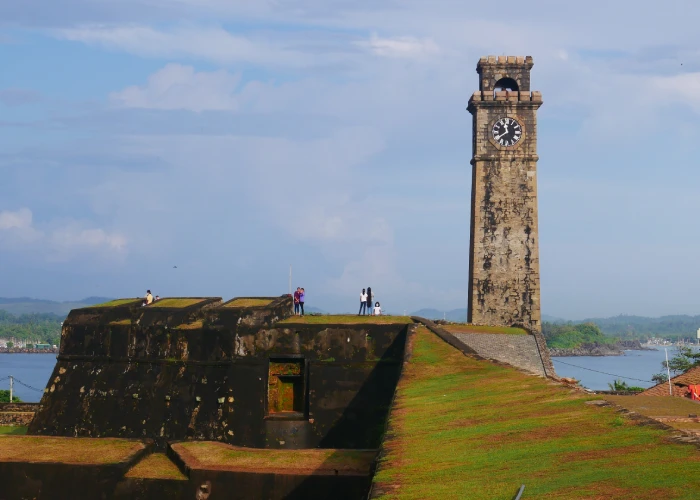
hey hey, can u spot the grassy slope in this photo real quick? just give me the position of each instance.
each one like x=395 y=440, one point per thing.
x=347 y=319
x=463 y=428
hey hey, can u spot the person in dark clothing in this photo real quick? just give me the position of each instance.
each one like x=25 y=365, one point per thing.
x=302 y=296
x=369 y=300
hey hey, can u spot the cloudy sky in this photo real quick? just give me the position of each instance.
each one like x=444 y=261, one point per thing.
x=232 y=138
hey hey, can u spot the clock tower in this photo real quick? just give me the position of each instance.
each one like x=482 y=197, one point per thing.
x=504 y=271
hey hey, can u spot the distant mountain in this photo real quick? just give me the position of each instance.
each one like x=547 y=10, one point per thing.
x=675 y=325
x=553 y=319
x=26 y=305
x=456 y=315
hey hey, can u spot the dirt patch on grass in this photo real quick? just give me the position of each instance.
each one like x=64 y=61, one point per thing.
x=602 y=454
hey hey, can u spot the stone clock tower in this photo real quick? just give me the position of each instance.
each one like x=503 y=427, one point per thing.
x=504 y=272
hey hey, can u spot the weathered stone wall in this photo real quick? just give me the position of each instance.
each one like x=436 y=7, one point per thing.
x=19 y=414
x=504 y=253
x=493 y=68
x=202 y=374
x=516 y=350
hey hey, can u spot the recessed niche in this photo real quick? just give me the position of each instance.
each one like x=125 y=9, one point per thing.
x=286 y=393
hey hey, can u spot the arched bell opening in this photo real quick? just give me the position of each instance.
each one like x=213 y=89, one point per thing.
x=506 y=84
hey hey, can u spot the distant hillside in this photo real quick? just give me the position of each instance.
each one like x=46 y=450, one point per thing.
x=26 y=305
x=641 y=326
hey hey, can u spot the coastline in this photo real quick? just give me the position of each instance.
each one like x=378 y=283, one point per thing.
x=598 y=349
x=4 y=350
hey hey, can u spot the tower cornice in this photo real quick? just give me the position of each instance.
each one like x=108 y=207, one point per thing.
x=521 y=99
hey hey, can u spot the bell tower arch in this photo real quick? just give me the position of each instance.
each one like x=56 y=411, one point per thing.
x=504 y=272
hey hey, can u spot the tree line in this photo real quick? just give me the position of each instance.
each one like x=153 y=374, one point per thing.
x=42 y=327
x=571 y=336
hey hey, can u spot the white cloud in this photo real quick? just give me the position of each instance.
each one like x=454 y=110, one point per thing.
x=21 y=219
x=73 y=237
x=180 y=87
x=680 y=88
x=401 y=47
x=207 y=43
x=59 y=240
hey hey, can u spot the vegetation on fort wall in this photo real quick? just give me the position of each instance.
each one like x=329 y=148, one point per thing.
x=570 y=336
x=466 y=428
x=42 y=327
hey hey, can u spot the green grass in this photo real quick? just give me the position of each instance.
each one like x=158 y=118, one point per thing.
x=347 y=319
x=15 y=448
x=464 y=428
x=8 y=430
x=175 y=303
x=242 y=302
x=117 y=302
x=464 y=328
x=156 y=466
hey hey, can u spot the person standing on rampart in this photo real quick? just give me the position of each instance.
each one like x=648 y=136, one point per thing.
x=363 y=303
x=369 y=300
x=296 y=300
x=302 y=297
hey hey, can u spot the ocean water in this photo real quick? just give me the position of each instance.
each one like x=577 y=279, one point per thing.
x=32 y=369
x=639 y=365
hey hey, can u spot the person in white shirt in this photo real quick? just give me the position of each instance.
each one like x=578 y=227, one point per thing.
x=377 y=309
x=148 y=298
x=363 y=303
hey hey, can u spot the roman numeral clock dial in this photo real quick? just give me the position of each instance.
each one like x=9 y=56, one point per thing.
x=507 y=132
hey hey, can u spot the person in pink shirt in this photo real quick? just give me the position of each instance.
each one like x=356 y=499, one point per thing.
x=296 y=300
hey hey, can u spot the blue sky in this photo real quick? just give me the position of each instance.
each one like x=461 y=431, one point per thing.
x=234 y=138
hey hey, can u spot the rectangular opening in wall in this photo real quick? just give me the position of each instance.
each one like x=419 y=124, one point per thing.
x=286 y=394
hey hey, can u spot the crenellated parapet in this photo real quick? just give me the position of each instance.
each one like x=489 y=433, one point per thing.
x=506 y=95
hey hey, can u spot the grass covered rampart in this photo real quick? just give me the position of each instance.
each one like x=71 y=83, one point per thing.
x=464 y=428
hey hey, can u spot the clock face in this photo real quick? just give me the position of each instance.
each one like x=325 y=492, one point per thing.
x=507 y=132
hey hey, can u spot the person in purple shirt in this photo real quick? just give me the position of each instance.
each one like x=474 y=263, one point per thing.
x=302 y=295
